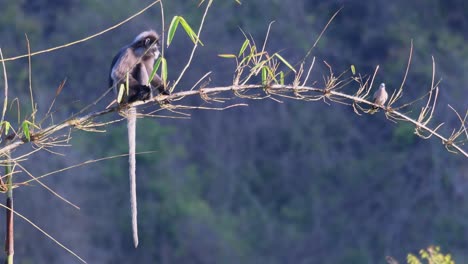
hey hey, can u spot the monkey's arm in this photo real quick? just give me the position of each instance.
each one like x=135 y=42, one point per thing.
x=123 y=64
x=159 y=84
x=157 y=81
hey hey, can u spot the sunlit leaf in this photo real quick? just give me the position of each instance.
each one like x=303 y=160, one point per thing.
x=353 y=69
x=172 y=29
x=121 y=93
x=26 y=131
x=272 y=75
x=264 y=75
x=244 y=46
x=257 y=67
x=155 y=69
x=189 y=31
x=281 y=77
x=246 y=59
x=285 y=62
x=229 y=56
x=7 y=126
x=164 y=69
x=412 y=259
x=128 y=83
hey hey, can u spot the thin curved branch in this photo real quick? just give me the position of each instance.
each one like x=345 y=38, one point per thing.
x=304 y=93
x=83 y=39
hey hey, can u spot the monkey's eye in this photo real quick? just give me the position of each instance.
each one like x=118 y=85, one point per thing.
x=147 y=42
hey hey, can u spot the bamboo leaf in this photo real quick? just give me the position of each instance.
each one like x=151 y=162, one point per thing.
x=257 y=67
x=155 y=69
x=272 y=75
x=6 y=125
x=285 y=62
x=127 y=83
x=244 y=46
x=172 y=29
x=281 y=77
x=229 y=56
x=246 y=59
x=164 y=69
x=412 y=259
x=26 y=131
x=264 y=75
x=189 y=31
x=121 y=92
x=353 y=69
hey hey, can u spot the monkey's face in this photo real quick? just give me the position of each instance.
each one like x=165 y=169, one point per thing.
x=147 y=47
x=152 y=46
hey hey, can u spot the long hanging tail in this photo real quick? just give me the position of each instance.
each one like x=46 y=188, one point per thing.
x=131 y=127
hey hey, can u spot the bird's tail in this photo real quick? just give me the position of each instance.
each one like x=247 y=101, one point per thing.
x=131 y=127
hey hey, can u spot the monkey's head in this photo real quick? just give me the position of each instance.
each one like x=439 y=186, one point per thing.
x=146 y=44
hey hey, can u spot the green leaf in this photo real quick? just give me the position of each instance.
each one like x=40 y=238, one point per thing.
x=412 y=259
x=7 y=126
x=172 y=29
x=26 y=131
x=264 y=75
x=164 y=70
x=229 y=56
x=190 y=32
x=353 y=69
x=272 y=75
x=246 y=59
x=281 y=77
x=244 y=46
x=121 y=92
x=285 y=62
x=258 y=66
x=155 y=69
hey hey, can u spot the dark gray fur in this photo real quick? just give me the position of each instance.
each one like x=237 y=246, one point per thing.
x=136 y=60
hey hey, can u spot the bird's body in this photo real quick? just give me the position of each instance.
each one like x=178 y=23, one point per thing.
x=379 y=98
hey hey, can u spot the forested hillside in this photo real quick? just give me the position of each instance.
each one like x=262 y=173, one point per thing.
x=292 y=182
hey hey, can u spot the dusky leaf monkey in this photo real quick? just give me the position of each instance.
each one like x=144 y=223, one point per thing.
x=132 y=67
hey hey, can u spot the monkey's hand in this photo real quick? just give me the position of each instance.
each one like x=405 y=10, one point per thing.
x=163 y=90
x=144 y=93
x=140 y=93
